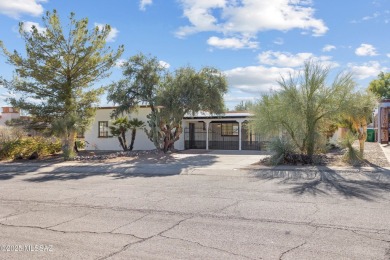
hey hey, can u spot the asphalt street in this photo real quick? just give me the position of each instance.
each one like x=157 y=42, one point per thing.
x=208 y=206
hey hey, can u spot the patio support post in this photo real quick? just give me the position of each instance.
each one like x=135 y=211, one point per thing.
x=239 y=134
x=379 y=128
x=207 y=134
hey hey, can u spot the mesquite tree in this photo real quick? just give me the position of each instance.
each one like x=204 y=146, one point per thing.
x=188 y=91
x=169 y=95
x=55 y=77
x=142 y=76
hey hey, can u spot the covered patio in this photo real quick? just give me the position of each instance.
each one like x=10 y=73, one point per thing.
x=228 y=132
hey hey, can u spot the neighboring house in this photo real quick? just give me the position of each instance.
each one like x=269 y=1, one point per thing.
x=381 y=121
x=227 y=132
x=8 y=113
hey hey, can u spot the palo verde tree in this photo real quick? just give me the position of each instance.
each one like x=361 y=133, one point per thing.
x=55 y=77
x=302 y=104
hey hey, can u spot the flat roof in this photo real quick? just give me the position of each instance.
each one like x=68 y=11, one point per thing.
x=206 y=115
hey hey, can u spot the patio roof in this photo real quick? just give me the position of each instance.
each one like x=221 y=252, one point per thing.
x=207 y=115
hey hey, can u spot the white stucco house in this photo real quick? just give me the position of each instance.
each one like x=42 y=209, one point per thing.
x=202 y=131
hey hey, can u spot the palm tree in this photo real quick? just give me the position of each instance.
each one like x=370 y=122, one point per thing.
x=119 y=128
x=359 y=114
x=134 y=124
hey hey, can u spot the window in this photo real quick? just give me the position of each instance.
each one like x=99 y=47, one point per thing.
x=229 y=129
x=103 y=128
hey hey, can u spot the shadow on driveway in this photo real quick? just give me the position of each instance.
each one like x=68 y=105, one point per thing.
x=352 y=183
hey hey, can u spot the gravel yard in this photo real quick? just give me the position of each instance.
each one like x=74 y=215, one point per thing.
x=374 y=155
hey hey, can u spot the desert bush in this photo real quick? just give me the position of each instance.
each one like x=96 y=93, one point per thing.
x=11 y=133
x=281 y=149
x=25 y=146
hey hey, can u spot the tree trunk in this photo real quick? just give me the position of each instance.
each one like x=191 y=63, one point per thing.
x=362 y=137
x=122 y=144
x=310 y=144
x=68 y=146
x=124 y=141
x=167 y=139
x=133 y=132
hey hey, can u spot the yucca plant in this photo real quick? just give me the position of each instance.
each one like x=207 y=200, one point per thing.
x=281 y=148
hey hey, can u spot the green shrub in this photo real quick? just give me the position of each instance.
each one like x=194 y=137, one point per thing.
x=25 y=146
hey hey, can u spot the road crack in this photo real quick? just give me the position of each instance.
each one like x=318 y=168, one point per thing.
x=67 y=221
x=143 y=239
x=68 y=232
x=130 y=222
x=291 y=249
x=369 y=237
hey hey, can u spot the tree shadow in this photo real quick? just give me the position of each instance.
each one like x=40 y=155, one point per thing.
x=10 y=170
x=351 y=183
x=147 y=167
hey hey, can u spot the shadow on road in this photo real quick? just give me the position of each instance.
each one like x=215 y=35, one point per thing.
x=325 y=181
x=144 y=167
x=10 y=171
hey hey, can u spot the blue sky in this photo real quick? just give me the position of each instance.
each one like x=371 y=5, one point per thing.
x=254 y=42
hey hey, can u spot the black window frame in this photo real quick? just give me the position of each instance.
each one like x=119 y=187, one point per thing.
x=105 y=130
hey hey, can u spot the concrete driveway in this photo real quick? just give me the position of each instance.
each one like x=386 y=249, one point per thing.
x=193 y=207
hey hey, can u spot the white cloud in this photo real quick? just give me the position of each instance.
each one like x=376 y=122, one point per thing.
x=328 y=48
x=144 y=3
x=256 y=79
x=164 y=64
x=388 y=55
x=27 y=27
x=366 y=50
x=247 y=18
x=15 y=8
x=366 y=70
x=113 y=33
x=232 y=43
x=279 y=41
x=286 y=59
